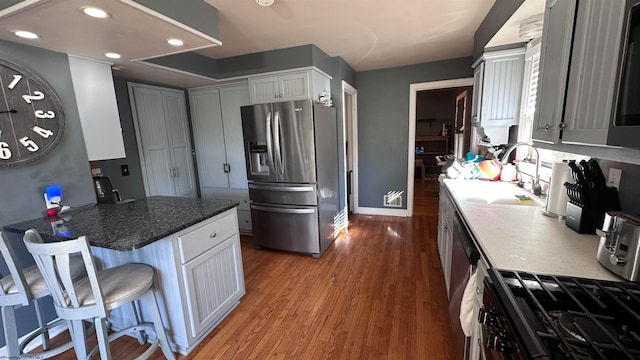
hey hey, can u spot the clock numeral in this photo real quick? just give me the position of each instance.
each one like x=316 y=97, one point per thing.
x=37 y=95
x=45 y=133
x=5 y=152
x=16 y=79
x=29 y=144
x=44 y=115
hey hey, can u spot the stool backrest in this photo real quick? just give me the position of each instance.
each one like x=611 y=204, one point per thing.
x=53 y=260
x=23 y=296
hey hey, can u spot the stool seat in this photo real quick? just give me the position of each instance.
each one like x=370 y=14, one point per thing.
x=34 y=280
x=118 y=285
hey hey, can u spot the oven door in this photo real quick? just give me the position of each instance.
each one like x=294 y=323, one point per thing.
x=498 y=338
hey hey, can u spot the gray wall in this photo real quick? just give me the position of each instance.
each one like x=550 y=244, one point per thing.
x=499 y=13
x=21 y=192
x=383 y=124
x=341 y=72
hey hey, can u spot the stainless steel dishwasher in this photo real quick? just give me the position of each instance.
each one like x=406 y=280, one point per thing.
x=464 y=258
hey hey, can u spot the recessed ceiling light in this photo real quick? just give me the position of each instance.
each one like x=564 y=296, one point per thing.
x=95 y=12
x=265 y=2
x=112 y=55
x=175 y=42
x=26 y=34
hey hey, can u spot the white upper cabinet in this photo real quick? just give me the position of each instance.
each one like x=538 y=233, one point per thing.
x=592 y=73
x=555 y=52
x=97 y=107
x=578 y=71
x=287 y=86
x=498 y=78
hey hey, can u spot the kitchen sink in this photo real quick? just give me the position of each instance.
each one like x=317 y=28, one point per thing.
x=495 y=192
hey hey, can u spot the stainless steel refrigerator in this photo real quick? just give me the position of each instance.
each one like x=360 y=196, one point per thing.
x=291 y=152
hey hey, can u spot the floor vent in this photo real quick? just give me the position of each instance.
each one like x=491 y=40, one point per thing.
x=392 y=199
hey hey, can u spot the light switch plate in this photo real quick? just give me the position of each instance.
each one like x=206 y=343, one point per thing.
x=614 y=177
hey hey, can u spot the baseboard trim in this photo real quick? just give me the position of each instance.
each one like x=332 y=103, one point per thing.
x=383 y=212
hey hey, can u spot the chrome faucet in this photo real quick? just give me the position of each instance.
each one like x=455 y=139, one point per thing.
x=536 y=187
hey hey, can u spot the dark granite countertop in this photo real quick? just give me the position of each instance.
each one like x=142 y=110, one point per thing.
x=126 y=226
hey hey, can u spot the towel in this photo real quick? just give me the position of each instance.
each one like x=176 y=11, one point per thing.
x=467 y=314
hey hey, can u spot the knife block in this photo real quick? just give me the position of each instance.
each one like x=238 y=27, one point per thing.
x=587 y=216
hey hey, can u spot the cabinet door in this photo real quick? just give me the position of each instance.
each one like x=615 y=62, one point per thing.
x=476 y=105
x=264 y=89
x=97 y=107
x=154 y=148
x=231 y=100
x=214 y=282
x=555 y=52
x=294 y=86
x=502 y=89
x=592 y=80
x=208 y=134
x=179 y=143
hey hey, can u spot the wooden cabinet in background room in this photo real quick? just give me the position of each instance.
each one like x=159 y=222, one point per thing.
x=217 y=133
x=288 y=86
x=164 y=142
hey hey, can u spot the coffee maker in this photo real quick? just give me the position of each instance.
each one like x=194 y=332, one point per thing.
x=105 y=192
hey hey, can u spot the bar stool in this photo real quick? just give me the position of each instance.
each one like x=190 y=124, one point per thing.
x=21 y=288
x=96 y=295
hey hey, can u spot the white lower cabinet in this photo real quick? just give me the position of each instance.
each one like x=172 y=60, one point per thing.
x=199 y=279
x=445 y=234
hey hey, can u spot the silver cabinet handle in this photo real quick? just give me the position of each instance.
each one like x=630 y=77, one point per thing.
x=275 y=96
x=280 y=95
x=283 y=210
x=562 y=126
x=547 y=127
x=212 y=235
x=177 y=172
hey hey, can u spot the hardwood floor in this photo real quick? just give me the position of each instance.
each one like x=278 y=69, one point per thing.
x=377 y=293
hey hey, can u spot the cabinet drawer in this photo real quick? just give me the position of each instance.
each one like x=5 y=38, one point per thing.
x=244 y=220
x=200 y=240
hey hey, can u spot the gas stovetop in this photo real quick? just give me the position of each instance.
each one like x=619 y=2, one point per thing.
x=572 y=318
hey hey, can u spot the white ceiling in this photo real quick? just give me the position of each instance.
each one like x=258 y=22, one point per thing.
x=368 y=34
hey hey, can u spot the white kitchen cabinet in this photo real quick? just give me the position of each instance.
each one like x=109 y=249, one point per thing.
x=445 y=234
x=580 y=51
x=199 y=278
x=219 y=144
x=555 y=52
x=287 y=86
x=97 y=108
x=498 y=78
x=592 y=75
x=164 y=142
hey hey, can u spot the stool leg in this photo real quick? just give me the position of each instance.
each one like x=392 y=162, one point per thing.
x=157 y=323
x=79 y=338
x=103 y=339
x=10 y=331
x=42 y=322
x=140 y=335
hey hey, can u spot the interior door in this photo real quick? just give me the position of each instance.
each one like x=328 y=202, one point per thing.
x=180 y=144
x=460 y=133
x=294 y=142
x=153 y=138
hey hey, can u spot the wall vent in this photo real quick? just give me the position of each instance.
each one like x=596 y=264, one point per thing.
x=392 y=199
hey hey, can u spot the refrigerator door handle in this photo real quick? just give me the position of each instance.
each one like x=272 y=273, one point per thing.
x=281 y=188
x=283 y=210
x=278 y=148
x=269 y=140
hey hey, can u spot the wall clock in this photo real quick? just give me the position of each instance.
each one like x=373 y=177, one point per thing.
x=31 y=116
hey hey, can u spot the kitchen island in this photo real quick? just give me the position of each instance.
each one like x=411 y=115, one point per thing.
x=193 y=245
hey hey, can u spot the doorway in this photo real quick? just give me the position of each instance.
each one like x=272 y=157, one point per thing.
x=350 y=142
x=414 y=89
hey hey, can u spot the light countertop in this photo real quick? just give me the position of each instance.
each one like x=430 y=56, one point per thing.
x=520 y=237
